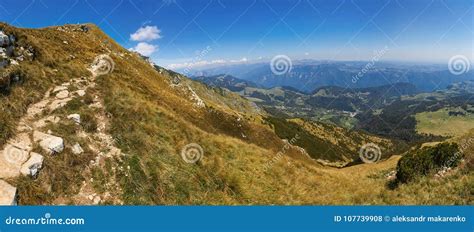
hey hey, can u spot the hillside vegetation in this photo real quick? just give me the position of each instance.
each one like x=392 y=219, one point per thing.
x=136 y=120
x=446 y=121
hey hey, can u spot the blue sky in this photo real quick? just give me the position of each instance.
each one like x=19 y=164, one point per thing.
x=198 y=32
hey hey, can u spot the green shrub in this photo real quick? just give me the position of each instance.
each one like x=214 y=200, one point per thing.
x=447 y=155
x=426 y=160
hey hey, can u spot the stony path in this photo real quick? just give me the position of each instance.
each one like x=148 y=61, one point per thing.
x=17 y=157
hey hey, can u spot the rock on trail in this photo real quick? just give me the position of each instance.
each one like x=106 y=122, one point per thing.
x=8 y=194
x=17 y=156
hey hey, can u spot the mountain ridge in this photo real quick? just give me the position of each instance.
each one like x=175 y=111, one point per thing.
x=309 y=75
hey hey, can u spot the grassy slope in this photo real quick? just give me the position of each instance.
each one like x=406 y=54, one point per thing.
x=441 y=123
x=152 y=120
x=326 y=142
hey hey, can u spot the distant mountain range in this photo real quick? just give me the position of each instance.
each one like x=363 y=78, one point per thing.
x=386 y=110
x=226 y=81
x=330 y=104
x=355 y=99
x=309 y=75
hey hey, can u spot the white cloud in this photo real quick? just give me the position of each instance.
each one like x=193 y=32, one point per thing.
x=243 y=60
x=205 y=63
x=145 y=49
x=147 y=33
x=201 y=63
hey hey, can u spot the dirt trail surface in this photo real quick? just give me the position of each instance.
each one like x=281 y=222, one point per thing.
x=19 y=156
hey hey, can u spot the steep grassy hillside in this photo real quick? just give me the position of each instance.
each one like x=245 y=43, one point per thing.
x=137 y=118
x=328 y=144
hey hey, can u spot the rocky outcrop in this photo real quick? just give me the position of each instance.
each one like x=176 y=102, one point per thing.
x=33 y=165
x=75 y=117
x=102 y=65
x=10 y=55
x=77 y=149
x=4 y=39
x=11 y=159
x=62 y=94
x=196 y=99
x=49 y=143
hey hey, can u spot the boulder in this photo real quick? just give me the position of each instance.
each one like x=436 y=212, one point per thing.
x=49 y=143
x=62 y=94
x=77 y=149
x=11 y=159
x=14 y=155
x=81 y=93
x=75 y=117
x=4 y=39
x=8 y=194
x=33 y=165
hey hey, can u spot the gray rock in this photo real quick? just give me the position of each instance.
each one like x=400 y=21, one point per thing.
x=77 y=149
x=4 y=39
x=75 y=117
x=81 y=93
x=11 y=159
x=33 y=165
x=62 y=94
x=49 y=143
x=13 y=62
